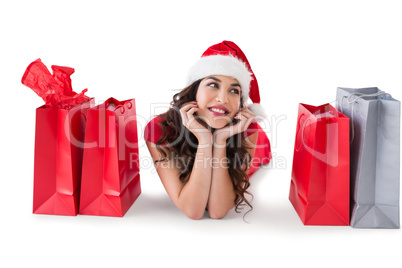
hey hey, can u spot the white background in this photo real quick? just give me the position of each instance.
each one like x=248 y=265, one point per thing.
x=300 y=51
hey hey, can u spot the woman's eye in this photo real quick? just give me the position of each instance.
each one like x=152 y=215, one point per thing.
x=236 y=91
x=213 y=85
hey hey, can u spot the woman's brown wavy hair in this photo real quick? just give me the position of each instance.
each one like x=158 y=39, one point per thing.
x=182 y=145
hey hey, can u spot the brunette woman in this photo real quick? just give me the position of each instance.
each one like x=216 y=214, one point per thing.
x=204 y=146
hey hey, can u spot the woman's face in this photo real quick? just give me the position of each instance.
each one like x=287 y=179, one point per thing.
x=218 y=99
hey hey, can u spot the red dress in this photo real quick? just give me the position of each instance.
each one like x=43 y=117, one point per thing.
x=262 y=154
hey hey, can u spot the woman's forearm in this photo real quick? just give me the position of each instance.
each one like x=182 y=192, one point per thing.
x=194 y=195
x=222 y=194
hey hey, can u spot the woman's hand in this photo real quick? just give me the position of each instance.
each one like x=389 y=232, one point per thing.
x=245 y=116
x=187 y=116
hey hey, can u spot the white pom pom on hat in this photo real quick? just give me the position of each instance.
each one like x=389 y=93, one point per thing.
x=226 y=58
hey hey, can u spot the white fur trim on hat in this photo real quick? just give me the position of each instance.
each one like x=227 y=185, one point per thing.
x=222 y=65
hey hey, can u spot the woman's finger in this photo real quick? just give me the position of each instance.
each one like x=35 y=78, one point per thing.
x=185 y=109
x=246 y=111
x=190 y=114
x=183 y=115
x=245 y=118
x=192 y=111
x=187 y=112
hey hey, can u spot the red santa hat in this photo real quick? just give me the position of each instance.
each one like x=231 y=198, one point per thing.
x=226 y=58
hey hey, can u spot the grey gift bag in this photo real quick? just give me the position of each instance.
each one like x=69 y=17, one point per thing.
x=374 y=156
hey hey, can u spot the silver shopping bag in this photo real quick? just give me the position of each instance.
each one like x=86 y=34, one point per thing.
x=374 y=156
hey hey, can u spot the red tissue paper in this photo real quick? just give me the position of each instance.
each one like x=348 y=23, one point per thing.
x=56 y=89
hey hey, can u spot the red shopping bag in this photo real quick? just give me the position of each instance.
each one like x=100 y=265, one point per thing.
x=59 y=140
x=110 y=173
x=319 y=189
x=59 y=136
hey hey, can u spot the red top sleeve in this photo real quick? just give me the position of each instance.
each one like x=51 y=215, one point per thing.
x=153 y=131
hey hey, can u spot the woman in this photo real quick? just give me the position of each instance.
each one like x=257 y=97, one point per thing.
x=203 y=145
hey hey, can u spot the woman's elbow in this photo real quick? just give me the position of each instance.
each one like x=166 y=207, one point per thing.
x=194 y=214
x=217 y=213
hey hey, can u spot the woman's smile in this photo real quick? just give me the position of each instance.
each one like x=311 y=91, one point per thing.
x=218 y=110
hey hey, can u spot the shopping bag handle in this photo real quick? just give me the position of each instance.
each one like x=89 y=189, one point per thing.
x=122 y=107
x=359 y=95
x=352 y=101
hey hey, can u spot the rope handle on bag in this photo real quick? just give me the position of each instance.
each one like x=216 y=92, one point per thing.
x=361 y=95
x=121 y=106
x=353 y=102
